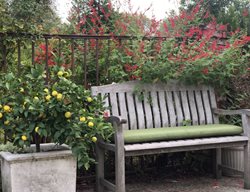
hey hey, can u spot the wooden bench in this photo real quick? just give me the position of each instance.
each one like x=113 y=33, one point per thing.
x=143 y=108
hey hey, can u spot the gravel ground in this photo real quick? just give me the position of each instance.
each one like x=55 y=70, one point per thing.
x=184 y=184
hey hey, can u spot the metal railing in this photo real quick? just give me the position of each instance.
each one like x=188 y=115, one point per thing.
x=83 y=52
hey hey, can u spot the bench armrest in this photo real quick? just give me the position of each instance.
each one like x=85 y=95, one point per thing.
x=116 y=119
x=231 y=112
x=246 y=111
x=227 y=112
x=245 y=117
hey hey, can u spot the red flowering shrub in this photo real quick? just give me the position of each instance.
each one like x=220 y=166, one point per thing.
x=195 y=47
x=40 y=55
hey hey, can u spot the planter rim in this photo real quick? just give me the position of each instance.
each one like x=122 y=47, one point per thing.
x=60 y=151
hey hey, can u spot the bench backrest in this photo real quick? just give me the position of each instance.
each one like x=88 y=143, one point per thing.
x=159 y=104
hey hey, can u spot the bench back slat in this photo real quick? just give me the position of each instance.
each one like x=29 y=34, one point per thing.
x=200 y=108
x=114 y=104
x=147 y=110
x=140 y=113
x=163 y=109
x=208 y=111
x=178 y=107
x=155 y=109
x=123 y=107
x=131 y=111
x=159 y=105
x=213 y=104
x=185 y=105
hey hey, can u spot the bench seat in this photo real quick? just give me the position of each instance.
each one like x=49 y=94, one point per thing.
x=181 y=132
x=157 y=147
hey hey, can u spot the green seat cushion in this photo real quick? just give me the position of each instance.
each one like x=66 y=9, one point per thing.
x=182 y=132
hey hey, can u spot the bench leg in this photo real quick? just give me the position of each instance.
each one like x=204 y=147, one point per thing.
x=99 y=168
x=217 y=163
x=247 y=166
x=119 y=170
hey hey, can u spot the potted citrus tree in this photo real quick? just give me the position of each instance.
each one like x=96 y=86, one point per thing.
x=33 y=110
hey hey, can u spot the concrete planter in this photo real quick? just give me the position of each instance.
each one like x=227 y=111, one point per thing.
x=53 y=170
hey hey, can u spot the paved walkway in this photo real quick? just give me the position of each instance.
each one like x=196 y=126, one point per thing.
x=194 y=184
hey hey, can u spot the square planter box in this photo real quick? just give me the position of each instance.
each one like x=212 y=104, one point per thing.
x=52 y=170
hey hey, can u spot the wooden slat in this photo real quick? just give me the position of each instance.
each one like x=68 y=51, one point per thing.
x=184 y=143
x=106 y=100
x=208 y=111
x=172 y=115
x=200 y=108
x=155 y=109
x=185 y=105
x=193 y=107
x=114 y=104
x=213 y=104
x=178 y=108
x=140 y=113
x=123 y=108
x=131 y=111
x=163 y=109
x=148 y=111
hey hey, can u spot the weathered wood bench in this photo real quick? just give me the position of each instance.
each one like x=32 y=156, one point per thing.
x=151 y=122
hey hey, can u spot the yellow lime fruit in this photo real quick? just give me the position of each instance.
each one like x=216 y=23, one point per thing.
x=36 y=98
x=21 y=90
x=90 y=124
x=1 y=106
x=82 y=119
x=24 y=137
x=89 y=99
x=94 y=139
x=36 y=129
x=1 y=115
x=59 y=96
x=54 y=93
x=60 y=73
x=67 y=114
x=48 y=97
x=6 y=122
x=66 y=74
x=46 y=90
x=6 y=108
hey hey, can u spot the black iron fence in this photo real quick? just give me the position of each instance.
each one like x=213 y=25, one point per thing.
x=91 y=59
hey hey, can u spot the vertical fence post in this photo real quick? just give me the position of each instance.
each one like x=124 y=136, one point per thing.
x=107 y=62
x=59 y=51
x=33 y=51
x=72 y=55
x=85 y=64
x=97 y=62
x=47 y=60
x=4 y=52
x=18 y=54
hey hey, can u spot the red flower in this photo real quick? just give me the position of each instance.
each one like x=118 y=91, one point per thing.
x=206 y=15
x=141 y=49
x=43 y=47
x=205 y=71
x=222 y=28
x=129 y=53
x=246 y=38
x=172 y=22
